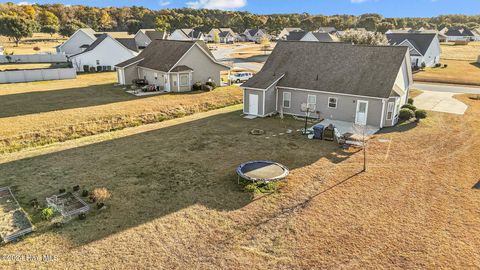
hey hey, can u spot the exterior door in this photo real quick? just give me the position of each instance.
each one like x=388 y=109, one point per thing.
x=253 y=104
x=121 y=78
x=362 y=112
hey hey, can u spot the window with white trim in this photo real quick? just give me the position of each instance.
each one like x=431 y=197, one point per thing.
x=312 y=100
x=155 y=75
x=287 y=98
x=332 y=102
x=184 y=79
x=390 y=107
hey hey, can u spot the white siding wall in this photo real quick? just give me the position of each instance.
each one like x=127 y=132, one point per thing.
x=432 y=56
x=309 y=37
x=141 y=39
x=108 y=53
x=177 y=35
x=72 y=45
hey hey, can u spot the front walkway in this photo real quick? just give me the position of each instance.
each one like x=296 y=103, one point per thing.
x=440 y=102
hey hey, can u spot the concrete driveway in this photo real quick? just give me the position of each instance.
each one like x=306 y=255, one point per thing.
x=440 y=102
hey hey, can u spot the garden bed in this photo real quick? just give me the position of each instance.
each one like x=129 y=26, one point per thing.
x=67 y=204
x=13 y=220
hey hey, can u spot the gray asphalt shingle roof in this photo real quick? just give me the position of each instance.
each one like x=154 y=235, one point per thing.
x=332 y=67
x=421 y=41
x=296 y=35
x=163 y=55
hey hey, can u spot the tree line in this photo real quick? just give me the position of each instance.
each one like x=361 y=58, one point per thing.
x=19 y=21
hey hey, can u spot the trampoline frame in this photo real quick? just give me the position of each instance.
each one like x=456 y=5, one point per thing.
x=265 y=180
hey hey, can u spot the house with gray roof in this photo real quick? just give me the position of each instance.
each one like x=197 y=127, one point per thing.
x=256 y=35
x=360 y=84
x=144 y=37
x=424 y=46
x=286 y=31
x=226 y=35
x=104 y=53
x=187 y=34
x=459 y=34
x=320 y=37
x=172 y=66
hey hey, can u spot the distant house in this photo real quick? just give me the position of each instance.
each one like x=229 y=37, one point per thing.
x=187 y=34
x=440 y=34
x=226 y=35
x=366 y=85
x=327 y=29
x=145 y=36
x=84 y=37
x=1 y=50
x=172 y=66
x=77 y=42
x=312 y=36
x=104 y=53
x=256 y=35
x=286 y=31
x=320 y=36
x=459 y=34
x=424 y=47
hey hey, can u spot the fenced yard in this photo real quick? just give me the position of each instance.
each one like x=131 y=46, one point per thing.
x=176 y=203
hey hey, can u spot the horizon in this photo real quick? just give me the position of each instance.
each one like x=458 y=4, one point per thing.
x=387 y=8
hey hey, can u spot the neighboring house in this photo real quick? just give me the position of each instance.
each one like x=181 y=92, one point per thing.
x=1 y=50
x=145 y=36
x=424 y=47
x=286 y=31
x=172 y=66
x=321 y=37
x=476 y=34
x=327 y=29
x=255 y=35
x=441 y=36
x=104 y=53
x=186 y=34
x=228 y=35
x=77 y=42
x=312 y=36
x=361 y=84
x=459 y=34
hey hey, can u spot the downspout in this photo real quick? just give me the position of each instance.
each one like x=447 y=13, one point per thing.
x=383 y=113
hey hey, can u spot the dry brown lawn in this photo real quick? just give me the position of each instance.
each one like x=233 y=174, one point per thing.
x=457 y=72
x=176 y=203
x=39 y=113
x=469 y=52
x=24 y=66
x=45 y=42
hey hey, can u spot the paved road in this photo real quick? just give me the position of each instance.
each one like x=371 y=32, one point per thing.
x=446 y=88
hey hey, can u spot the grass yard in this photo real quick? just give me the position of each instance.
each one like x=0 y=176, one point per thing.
x=31 y=66
x=45 y=42
x=457 y=72
x=176 y=203
x=468 y=52
x=39 y=113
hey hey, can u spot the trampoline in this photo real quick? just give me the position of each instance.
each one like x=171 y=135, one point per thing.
x=262 y=171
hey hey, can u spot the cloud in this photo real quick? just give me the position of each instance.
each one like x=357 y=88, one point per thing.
x=358 y=1
x=217 y=4
x=164 y=3
x=25 y=3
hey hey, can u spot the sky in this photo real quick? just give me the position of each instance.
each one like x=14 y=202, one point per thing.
x=388 y=8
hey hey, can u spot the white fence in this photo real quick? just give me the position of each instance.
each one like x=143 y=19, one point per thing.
x=31 y=75
x=33 y=58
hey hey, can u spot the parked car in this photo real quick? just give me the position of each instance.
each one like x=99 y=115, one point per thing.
x=241 y=77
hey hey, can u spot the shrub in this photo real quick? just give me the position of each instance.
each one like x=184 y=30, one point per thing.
x=409 y=106
x=410 y=101
x=420 y=114
x=86 y=68
x=445 y=66
x=197 y=86
x=438 y=65
x=212 y=84
x=93 y=69
x=207 y=88
x=36 y=48
x=47 y=213
x=424 y=65
x=101 y=194
x=406 y=114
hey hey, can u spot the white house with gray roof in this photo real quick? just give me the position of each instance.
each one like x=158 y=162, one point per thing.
x=172 y=66
x=286 y=31
x=144 y=37
x=424 y=47
x=104 y=53
x=187 y=34
x=361 y=84
x=77 y=42
x=256 y=35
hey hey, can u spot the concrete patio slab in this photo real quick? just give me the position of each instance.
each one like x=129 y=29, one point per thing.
x=440 y=102
x=349 y=127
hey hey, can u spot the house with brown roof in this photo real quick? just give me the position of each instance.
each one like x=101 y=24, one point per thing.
x=366 y=85
x=172 y=66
